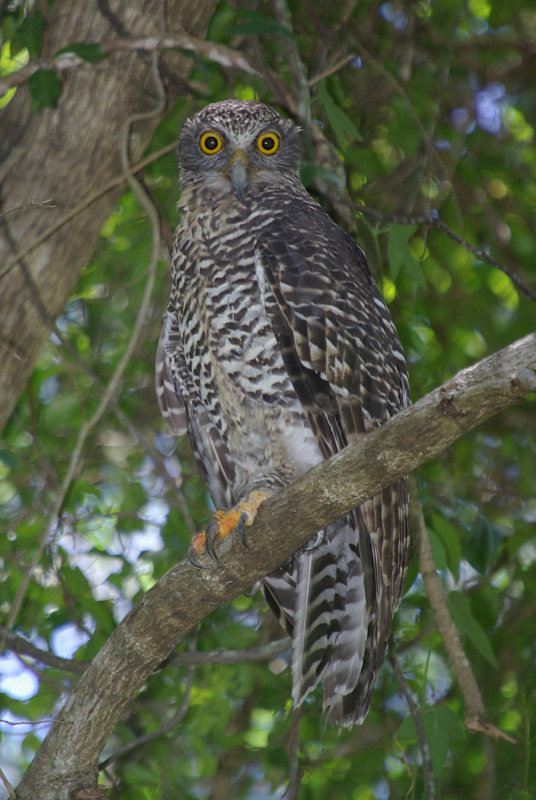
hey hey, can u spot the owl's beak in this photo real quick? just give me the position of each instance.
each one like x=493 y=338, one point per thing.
x=238 y=172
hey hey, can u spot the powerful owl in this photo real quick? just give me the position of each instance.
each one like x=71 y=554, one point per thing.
x=277 y=350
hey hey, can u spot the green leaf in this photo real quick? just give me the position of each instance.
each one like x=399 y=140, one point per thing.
x=450 y=541
x=76 y=582
x=341 y=124
x=483 y=544
x=45 y=88
x=401 y=255
x=438 y=550
x=259 y=24
x=441 y=726
x=8 y=459
x=467 y=624
x=441 y=729
x=310 y=172
x=30 y=33
x=407 y=730
x=89 y=52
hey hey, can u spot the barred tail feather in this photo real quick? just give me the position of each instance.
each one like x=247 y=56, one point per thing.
x=333 y=602
x=330 y=618
x=279 y=590
x=349 y=646
x=352 y=708
x=313 y=619
x=383 y=577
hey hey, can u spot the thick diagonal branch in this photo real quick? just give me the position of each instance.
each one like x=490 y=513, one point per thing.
x=185 y=595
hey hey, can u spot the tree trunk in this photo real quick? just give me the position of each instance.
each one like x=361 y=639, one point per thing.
x=69 y=153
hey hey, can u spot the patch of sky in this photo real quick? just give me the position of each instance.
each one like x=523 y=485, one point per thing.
x=395 y=16
x=489 y=105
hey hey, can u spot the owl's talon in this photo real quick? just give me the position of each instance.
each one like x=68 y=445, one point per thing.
x=211 y=534
x=211 y=553
x=223 y=523
x=198 y=545
x=196 y=563
x=241 y=528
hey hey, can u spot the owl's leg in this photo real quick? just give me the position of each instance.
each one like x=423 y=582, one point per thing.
x=223 y=523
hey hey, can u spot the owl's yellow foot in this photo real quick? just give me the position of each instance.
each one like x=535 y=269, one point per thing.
x=223 y=523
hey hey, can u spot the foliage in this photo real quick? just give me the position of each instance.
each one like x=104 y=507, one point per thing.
x=429 y=113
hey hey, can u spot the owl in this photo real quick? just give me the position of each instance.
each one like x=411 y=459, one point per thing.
x=276 y=352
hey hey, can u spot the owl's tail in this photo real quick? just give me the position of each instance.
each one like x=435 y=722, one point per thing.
x=321 y=599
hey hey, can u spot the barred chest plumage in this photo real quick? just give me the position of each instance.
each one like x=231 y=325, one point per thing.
x=231 y=362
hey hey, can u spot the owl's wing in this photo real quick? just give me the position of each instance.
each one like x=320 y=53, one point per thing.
x=344 y=358
x=168 y=392
x=185 y=414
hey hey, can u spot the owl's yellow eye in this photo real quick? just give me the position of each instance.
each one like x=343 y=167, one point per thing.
x=210 y=142
x=268 y=143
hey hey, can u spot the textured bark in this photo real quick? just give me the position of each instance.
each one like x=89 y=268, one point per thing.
x=65 y=154
x=67 y=760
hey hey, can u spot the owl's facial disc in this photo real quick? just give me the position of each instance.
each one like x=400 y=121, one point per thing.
x=238 y=172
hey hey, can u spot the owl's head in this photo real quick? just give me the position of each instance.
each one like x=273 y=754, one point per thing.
x=237 y=143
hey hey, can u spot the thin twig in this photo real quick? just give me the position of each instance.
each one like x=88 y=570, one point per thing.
x=293 y=750
x=7 y=784
x=23 y=587
x=168 y=726
x=476 y=717
x=515 y=785
x=483 y=256
x=199 y=657
x=331 y=70
x=399 y=89
x=112 y=18
x=218 y=53
x=262 y=653
x=114 y=384
x=83 y=205
x=20 y=645
x=419 y=727
x=297 y=68
x=25 y=722
x=434 y=221
x=37 y=204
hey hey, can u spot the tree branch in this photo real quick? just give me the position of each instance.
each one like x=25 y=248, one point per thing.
x=218 y=53
x=68 y=757
x=23 y=647
x=264 y=652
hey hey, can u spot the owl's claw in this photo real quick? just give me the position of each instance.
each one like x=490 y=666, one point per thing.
x=241 y=528
x=223 y=523
x=211 y=534
x=198 y=545
x=195 y=562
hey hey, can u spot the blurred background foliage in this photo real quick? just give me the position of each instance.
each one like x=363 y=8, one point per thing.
x=429 y=109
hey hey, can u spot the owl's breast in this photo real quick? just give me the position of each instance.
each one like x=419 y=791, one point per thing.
x=231 y=354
